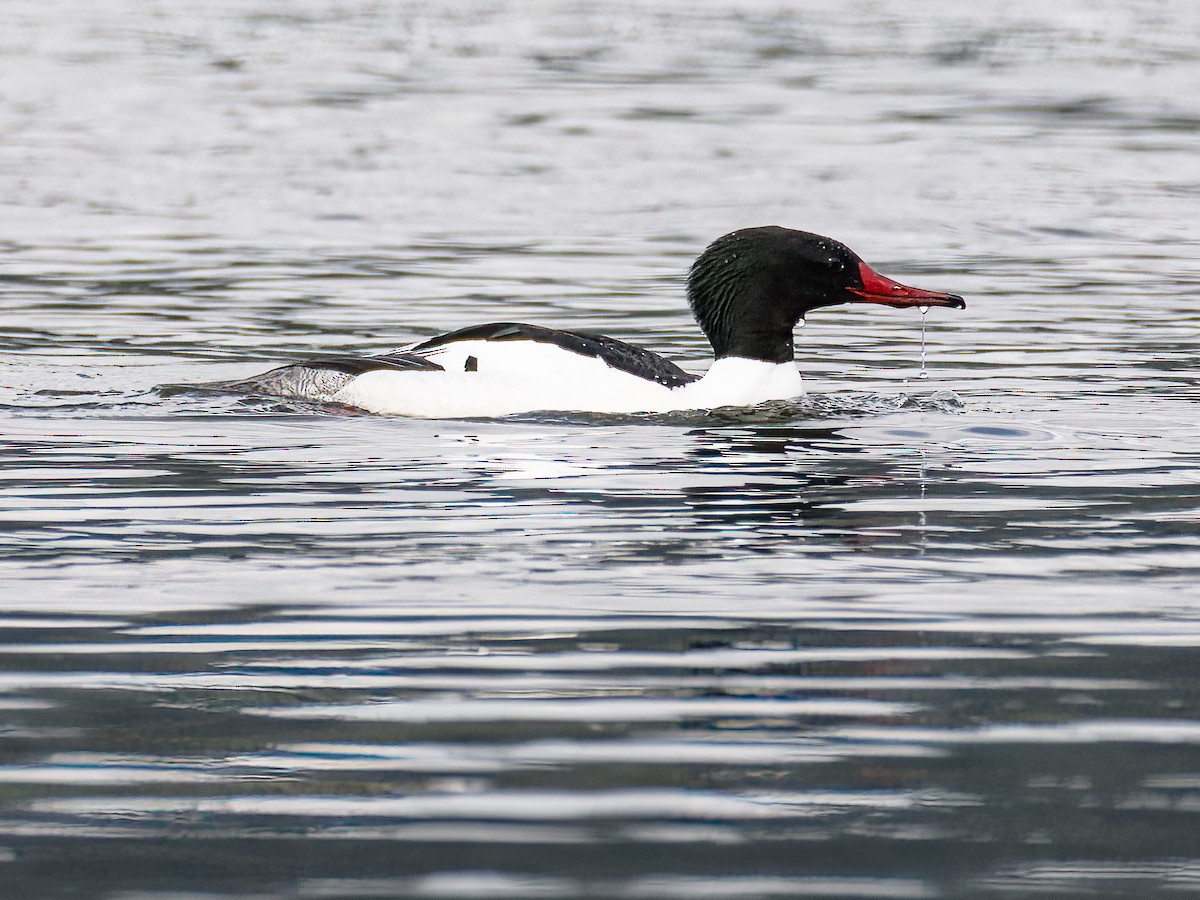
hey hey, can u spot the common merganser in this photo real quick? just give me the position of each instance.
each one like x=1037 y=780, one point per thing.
x=747 y=290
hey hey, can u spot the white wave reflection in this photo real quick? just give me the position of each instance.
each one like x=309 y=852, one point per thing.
x=1078 y=629
x=1159 y=637
x=1120 y=731
x=586 y=709
x=317 y=673
x=651 y=750
x=520 y=806
x=726 y=658
x=523 y=627
x=720 y=888
x=487 y=658
x=85 y=769
x=489 y=885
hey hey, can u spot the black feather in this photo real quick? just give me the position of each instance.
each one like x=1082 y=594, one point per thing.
x=616 y=354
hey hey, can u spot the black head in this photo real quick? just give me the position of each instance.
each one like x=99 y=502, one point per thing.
x=749 y=288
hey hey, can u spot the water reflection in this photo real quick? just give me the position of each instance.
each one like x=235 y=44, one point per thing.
x=515 y=732
x=903 y=639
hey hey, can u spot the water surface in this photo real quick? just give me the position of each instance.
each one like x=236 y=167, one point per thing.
x=905 y=638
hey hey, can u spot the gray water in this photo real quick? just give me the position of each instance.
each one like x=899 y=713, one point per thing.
x=903 y=639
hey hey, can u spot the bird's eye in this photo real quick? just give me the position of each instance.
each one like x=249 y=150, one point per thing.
x=836 y=263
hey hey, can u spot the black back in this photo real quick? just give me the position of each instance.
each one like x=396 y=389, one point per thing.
x=616 y=354
x=356 y=365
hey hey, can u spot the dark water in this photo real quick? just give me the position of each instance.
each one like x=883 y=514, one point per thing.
x=908 y=638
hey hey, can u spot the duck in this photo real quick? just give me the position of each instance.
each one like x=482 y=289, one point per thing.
x=747 y=290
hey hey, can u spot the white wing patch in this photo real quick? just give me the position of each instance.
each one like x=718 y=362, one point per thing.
x=532 y=357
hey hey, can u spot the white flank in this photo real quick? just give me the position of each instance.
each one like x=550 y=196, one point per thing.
x=531 y=376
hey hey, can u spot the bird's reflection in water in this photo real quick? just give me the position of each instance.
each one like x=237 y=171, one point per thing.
x=799 y=478
x=801 y=485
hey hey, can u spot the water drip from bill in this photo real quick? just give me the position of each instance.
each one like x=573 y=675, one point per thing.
x=924 y=313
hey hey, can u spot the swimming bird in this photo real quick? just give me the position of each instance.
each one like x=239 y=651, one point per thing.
x=747 y=291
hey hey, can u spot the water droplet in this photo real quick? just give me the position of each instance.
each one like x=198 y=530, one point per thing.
x=800 y=323
x=923 y=373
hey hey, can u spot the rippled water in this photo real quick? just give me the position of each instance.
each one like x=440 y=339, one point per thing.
x=903 y=639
